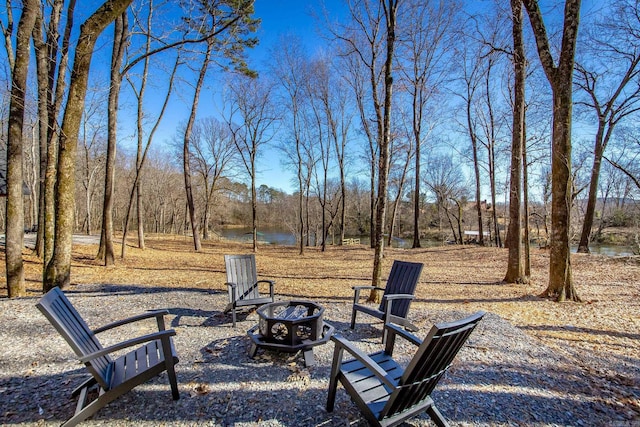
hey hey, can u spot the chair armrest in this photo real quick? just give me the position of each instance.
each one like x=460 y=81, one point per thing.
x=357 y=289
x=158 y=314
x=391 y=330
x=126 y=344
x=398 y=296
x=344 y=344
x=271 y=285
x=388 y=303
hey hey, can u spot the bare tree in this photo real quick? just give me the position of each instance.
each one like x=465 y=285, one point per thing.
x=120 y=40
x=489 y=124
x=402 y=153
x=52 y=58
x=228 y=26
x=515 y=266
x=322 y=118
x=612 y=92
x=186 y=155
x=339 y=130
x=471 y=80
x=445 y=179
x=375 y=23
x=332 y=121
x=560 y=77
x=291 y=68
x=15 y=207
x=422 y=54
x=250 y=117
x=363 y=41
x=390 y=8
x=143 y=150
x=58 y=270
x=213 y=153
x=91 y=159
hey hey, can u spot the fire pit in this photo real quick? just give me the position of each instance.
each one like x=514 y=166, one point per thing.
x=290 y=326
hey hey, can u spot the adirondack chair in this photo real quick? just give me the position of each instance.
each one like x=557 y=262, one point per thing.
x=386 y=393
x=242 y=284
x=397 y=297
x=113 y=377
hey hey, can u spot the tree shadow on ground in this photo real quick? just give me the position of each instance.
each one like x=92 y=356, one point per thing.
x=502 y=376
x=226 y=387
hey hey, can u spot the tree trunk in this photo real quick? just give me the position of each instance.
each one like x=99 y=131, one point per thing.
x=56 y=89
x=416 y=202
x=527 y=209
x=417 y=129
x=106 y=251
x=142 y=154
x=587 y=224
x=560 y=277
x=254 y=205
x=560 y=284
x=58 y=270
x=186 y=155
x=140 y=213
x=15 y=205
x=301 y=221
x=492 y=180
x=42 y=71
x=391 y=10
x=515 y=270
x=476 y=170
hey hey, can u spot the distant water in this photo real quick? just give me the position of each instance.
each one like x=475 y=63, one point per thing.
x=279 y=237
x=608 y=250
x=274 y=237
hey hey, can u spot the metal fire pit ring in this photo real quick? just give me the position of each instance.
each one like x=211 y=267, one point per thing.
x=290 y=326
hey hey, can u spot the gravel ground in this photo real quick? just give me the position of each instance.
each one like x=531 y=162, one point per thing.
x=501 y=377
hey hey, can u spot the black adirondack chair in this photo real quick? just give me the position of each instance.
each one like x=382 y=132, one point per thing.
x=386 y=393
x=242 y=284
x=397 y=297
x=113 y=377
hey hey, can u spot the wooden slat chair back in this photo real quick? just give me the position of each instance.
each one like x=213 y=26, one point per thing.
x=243 y=284
x=68 y=322
x=403 y=279
x=398 y=294
x=386 y=393
x=114 y=377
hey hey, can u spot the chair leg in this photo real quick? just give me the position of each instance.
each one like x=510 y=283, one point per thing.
x=353 y=318
x=173 y=381
x=169 y=365
x=437 y=417
x=331 y=396
x=333 y=379
x=253 y=350
x=88 y=383
x=233 y=316
x=84 y=412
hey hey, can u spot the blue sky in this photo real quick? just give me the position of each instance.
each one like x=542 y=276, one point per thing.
x=278 y=18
